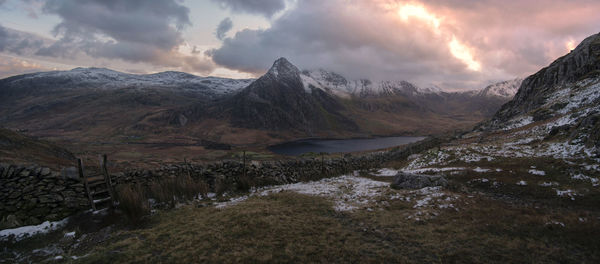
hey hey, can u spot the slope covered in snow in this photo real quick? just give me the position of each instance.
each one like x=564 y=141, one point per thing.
x=101 y=78
x=505 y=89
x=340 y=86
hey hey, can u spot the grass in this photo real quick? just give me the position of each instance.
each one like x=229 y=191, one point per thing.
x=166 y=193
x=289 y=227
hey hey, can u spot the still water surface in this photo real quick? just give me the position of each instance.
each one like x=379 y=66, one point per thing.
x=340 y=145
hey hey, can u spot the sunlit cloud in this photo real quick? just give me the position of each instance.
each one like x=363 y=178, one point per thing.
x=457 y=49
x=407 y=11
x=461 y=52
x=570 y=45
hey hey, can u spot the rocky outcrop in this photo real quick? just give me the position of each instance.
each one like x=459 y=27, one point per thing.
x=31 y=195
x=404 y=180
x=582 y=62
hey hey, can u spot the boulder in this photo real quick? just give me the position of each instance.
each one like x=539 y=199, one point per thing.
x=404 y=180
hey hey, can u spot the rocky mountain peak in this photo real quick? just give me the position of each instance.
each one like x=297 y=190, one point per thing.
x=282 y=68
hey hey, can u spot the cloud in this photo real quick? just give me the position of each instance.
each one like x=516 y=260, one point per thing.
x=453 y=44
x=17 y=42
x=266 y=8
x=223 y=28
x=136 y=31
x=13 y=66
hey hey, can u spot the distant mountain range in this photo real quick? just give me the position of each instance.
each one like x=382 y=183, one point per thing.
x=101 y=105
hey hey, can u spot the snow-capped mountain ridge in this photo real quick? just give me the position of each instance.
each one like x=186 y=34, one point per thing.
x=339 y=85
x=506 y=89
x=109 y=79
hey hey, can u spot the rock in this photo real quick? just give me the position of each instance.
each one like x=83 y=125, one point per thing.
x=45 y=171
x=70 y=173
x=24 y=173
x=49 y=198
x=417 y=181
x=11 y=221
x=34 y=221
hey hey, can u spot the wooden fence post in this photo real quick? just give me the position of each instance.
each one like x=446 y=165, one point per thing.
x=244 y=164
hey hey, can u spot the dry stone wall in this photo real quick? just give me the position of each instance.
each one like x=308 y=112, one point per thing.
x=33 y=194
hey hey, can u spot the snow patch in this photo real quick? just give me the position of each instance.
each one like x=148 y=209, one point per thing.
x=537 y=172
x=478 y=169
x=522 y=183
x=20 y=233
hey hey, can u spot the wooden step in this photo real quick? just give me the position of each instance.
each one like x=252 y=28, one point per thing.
x=95 y=184
x=102 y=200
x=103 y=191
x=95 y=178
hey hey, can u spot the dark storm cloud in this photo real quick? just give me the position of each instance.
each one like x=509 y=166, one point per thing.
x=368 y=38
x=223 y=27
x=130 y=30
x=17 y=42
x=266 y=8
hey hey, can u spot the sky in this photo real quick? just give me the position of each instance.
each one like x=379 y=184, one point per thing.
x=451 y=44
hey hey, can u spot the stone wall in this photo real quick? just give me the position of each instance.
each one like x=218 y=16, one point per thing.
x=31 y=195
x=274 y=172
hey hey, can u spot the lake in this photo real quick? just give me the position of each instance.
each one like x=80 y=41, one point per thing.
x=299 y=147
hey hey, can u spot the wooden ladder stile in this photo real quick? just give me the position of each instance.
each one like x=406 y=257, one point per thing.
x=85 y=183
x=107 y=179
x=98 y=185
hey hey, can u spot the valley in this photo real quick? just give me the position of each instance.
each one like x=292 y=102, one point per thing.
x=299 y=165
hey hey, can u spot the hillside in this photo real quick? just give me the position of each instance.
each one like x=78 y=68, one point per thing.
x=16 y=148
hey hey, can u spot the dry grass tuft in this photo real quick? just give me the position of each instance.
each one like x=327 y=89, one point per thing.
x=133 y=202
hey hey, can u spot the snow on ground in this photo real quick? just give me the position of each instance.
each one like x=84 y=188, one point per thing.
x=522 y=183
x=568 y=193
x=537 y=172
x=351 y=192
x=595 y=182
x=517 y=122
x=386 y=172
x=424 y=170
x=20 y=233
x=548 y=184
x=478 y=169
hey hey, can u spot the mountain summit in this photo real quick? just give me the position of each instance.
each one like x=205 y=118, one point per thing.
x=282 y=68
x=278 y=101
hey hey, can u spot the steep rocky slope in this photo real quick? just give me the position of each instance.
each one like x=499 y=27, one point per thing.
x=559 y=103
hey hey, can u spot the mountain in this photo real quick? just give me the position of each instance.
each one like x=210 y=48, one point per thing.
x=340 y=86
x=108 y=80
x=324 y=103
x=101 y=109
x=281 y=100
x=505 y=89
x=559 y=105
